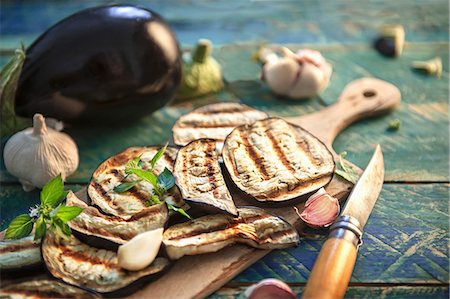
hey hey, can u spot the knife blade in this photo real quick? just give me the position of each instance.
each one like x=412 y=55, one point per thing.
x=334 y=265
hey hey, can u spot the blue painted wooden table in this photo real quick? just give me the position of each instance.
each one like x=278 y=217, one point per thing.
x=406 y=243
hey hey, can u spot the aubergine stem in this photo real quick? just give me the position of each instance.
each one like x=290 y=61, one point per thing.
x=202 y=51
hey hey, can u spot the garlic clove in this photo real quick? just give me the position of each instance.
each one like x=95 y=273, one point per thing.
x=281 y=74
x=270 y=288
x=140 y=251
x=321 y=209
x=309 y=82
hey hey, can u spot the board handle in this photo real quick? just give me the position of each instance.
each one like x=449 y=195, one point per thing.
x=362 y=98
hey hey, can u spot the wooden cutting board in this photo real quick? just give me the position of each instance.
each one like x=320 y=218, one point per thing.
x=199 y=276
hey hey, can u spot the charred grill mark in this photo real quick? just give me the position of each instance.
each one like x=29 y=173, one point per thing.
x=103 y=232
x=209 y=163
x=205 y=230
x=117 y=174
x=279 y=152
x=85 y=257
x=102 y=192
x=18 y=247
x=252 y=154
x=135 y=193
x=144 y=213
x=169 y=159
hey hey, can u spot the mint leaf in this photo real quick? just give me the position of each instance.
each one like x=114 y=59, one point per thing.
x=125 y=186
x=166 y=179
x=41 y=228
x=61 y=228
x=67 y=213
x=146 y=175
x=20 y=227
x=178 y=210
x=135 y=163
x=346 y=170
x=52 y=192
x=154 y=200
x=158 y=156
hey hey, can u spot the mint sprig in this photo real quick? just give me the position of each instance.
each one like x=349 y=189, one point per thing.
x=161 y=183
x=50 y=214
x=346 y=170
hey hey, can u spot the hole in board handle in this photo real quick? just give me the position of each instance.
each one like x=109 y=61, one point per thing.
x=369 y=93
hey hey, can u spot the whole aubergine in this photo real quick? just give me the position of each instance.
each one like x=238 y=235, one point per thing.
x=100 y=65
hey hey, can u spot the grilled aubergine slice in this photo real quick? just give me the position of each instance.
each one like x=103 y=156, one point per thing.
x=254 y=227
x=19 y=256
x=105 y=231
x=214 y=121
x=37 y=289
x=111 y=173
x=94 y=269
x=199 y=177
x=274 y=161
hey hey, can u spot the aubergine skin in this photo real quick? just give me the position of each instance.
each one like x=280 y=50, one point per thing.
x=101 y=65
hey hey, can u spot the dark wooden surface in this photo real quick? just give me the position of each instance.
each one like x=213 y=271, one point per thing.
x=406 y=245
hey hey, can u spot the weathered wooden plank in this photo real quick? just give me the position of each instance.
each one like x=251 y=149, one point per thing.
x=406 y=238
x=360 y=292
x=238 y=21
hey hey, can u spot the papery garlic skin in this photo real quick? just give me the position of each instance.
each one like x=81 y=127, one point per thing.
x=270 y=288
x=321 y=209
x=38 y=154
x=296 y=75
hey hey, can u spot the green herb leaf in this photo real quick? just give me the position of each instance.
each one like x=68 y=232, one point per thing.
x=146 y=175
x=178 y=210
x=9 y=77
x=41 y=228
x=67 y=213
x=158 y=156
x=20 y=227
x=135 y=163
x=61 y=228
x=52 y=192
x=394 y=125
x=154 y=200
x=125 y=186
x=346 y=170
x=166 y=179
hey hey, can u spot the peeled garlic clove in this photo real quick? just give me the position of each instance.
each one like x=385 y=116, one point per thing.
x=44 y=151
x=140 y=251
x=321 y=209
x=270 y=289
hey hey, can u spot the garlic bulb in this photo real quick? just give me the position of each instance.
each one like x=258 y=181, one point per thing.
x=295 y=75
x=36 y=155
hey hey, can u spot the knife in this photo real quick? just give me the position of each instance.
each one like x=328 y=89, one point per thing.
x=334 y=265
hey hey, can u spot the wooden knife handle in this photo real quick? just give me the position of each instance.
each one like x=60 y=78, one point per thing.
x=334 y=265
x=332 y=270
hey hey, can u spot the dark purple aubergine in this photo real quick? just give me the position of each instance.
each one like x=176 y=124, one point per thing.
x=101 y=65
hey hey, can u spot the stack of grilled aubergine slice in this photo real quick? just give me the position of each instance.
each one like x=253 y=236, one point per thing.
x=269 y=160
